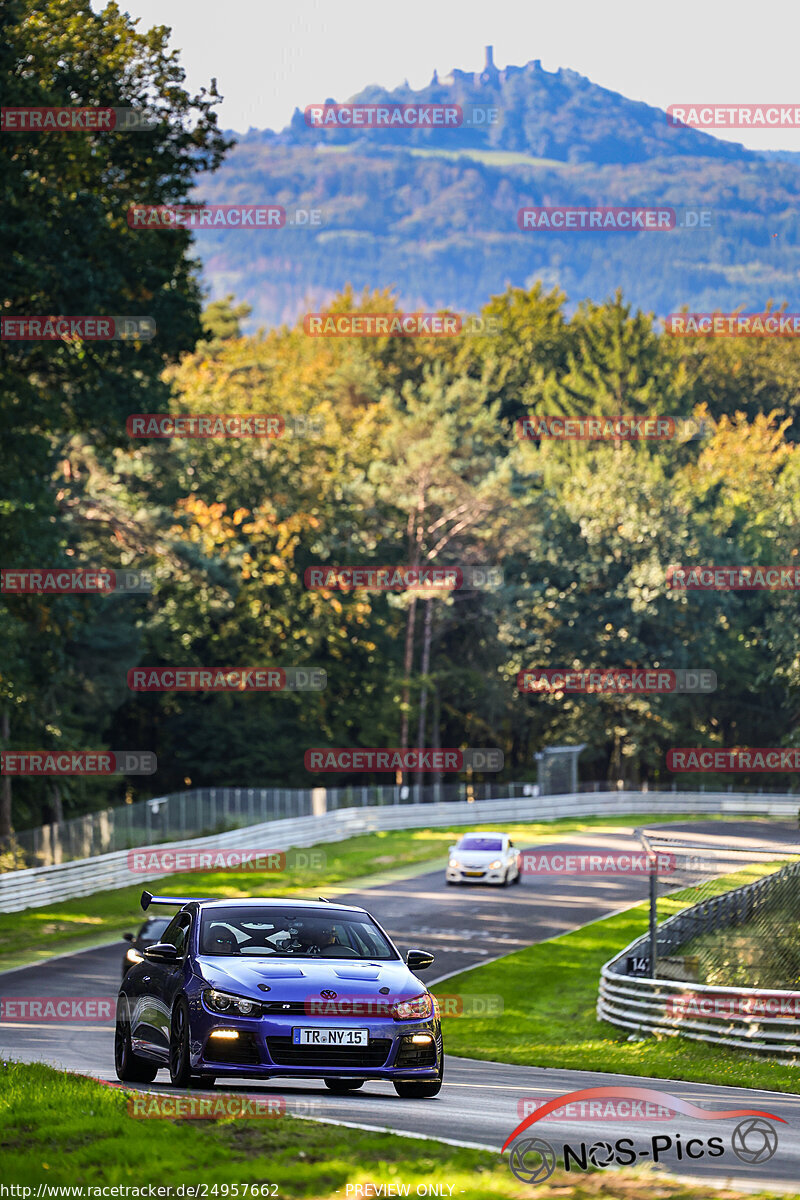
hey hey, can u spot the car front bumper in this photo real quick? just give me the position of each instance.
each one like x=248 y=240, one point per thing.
x=264 y=1048
x=476 y=875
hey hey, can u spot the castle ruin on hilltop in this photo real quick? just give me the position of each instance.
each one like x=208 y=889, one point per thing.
x=488 y=77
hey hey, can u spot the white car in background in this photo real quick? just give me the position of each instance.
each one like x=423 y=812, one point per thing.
x=484 y=858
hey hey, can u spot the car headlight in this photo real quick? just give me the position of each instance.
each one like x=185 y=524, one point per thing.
x=224 y=1002
x=455 y=863
x=133 y=956
x=418 y=1007
x=495 y=866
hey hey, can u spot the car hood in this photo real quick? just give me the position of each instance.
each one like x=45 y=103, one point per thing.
x=308 y=977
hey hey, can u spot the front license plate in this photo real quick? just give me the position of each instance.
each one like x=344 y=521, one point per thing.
x=473 y=872
x=330 y=1037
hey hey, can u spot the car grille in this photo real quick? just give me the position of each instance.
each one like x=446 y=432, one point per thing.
x=410 y=1055
x=243 y=1051
x=284 y=1053
x=287 y=1007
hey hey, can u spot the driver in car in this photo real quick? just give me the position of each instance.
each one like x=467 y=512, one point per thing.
x=314 y=936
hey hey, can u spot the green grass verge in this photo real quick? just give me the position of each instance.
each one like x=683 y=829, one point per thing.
x=549 y=995
x=62 y=1129
x=37 y=933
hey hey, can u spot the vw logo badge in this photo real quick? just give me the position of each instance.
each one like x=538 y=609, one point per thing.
x=328 y=994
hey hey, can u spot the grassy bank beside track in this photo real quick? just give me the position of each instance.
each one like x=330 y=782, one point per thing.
x=37 y=933
x=548 y=1018
x=59 y=1129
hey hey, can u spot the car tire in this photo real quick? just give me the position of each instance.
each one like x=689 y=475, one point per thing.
x=418 y=1091
x=518 y=876
x=129 y=1067
x=180 y=1067
x=506 y=879
x=343 y=1085
x=451 y=882
x=413 y=1090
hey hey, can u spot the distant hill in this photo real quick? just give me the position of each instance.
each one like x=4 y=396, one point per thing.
x=433 y=212
x=548 y=114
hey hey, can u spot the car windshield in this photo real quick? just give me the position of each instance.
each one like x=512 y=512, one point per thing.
x=480 y=843
x=291 y=932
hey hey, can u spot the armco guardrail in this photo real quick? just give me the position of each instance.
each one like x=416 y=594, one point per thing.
x=745 y=1018
x=37 y=886
x=202 y=811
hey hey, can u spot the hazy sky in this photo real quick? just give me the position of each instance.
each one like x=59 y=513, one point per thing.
x=271 y=57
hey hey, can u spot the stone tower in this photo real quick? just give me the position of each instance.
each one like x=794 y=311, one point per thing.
x=490 y=73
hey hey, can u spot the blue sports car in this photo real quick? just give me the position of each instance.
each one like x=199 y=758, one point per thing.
x=258 y=988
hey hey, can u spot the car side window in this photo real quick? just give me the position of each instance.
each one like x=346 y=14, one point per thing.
x=177 y=933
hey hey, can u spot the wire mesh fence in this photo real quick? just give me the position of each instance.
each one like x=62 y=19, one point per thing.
x=205 y=811
x=724 y=915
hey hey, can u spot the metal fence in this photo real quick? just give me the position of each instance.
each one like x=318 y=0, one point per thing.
x=37 y=886
x=725 y=969
x=202 y=811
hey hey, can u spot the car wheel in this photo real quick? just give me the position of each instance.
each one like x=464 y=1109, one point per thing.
x=518 y=876
x=451 y=882
x=129 y=1067
x=506 y=879
x=179 y=1061
x=343 y=1085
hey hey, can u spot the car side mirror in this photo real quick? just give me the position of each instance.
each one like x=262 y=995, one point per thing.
x=128 y=937
x=161 y=952
x=418 y=960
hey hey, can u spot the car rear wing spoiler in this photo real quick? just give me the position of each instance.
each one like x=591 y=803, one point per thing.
x=174 y=901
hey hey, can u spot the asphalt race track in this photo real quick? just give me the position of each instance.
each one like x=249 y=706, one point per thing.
x=478 y=1104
